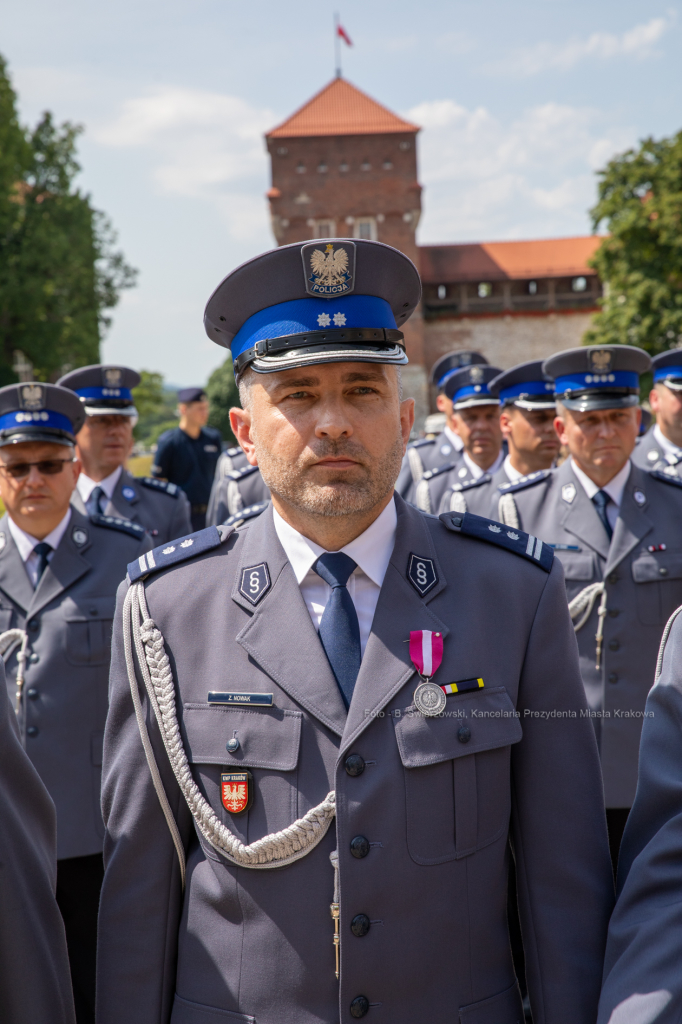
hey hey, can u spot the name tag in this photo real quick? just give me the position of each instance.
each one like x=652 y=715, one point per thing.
x=216 y=697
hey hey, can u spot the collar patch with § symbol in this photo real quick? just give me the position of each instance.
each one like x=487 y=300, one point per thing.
x=568 y=493
x=255 y=583
x=421 y=572
x=236 y=791
x=329 y=271
x=79 y=536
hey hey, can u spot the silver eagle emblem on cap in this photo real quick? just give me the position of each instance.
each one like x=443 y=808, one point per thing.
x=475 y=374
x=31 y=396
x=600 y=360
x=112 y=377
x=329 y=271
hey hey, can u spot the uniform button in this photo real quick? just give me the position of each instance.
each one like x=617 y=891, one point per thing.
x=32 y=730
x=464 y=734
x=359 y=847
x=612 y=577
x=32 y=693
x=232 y=746
x=614 y=645
x=662 y=571
x=359 y=1006
x=355 y=765
x=33 y=625
x=360 y=925
x=613 y=677
x=34 y=658
x=614 y=612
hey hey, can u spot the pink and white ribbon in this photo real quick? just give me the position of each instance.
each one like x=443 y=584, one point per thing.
x=426 y=651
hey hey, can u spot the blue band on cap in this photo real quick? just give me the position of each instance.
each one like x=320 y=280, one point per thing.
x=36 y=420
x=104 y=393
x=300 y=315
x=668 y=373
x=596 y=381
x=477 y=390
x=441 y=382
x=530 y=387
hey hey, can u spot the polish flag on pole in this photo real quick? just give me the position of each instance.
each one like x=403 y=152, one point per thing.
x=342 y=34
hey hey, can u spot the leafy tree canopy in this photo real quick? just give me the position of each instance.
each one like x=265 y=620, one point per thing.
x=60 y=274
x=640 y=204
x=223 y=395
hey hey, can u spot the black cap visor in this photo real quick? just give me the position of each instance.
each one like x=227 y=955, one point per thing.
x=41 y=435
x=359 y=345
x=590 y=401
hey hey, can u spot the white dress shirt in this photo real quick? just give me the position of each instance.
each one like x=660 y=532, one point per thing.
x=512 y=473
x=86 y=485
x=476 y=471
x=26 y=543
x=371 y=551
x=614 y=488
x=668 y=447
x=454 y=439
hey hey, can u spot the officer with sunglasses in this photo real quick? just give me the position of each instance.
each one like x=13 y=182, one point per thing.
x=59 y=570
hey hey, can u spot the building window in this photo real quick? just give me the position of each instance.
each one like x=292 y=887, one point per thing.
x=442 y=291
x=532 y=287
x=404 y=145
x=282 y=151
x=300 y=169
x=485 y=290
x=366 y=227
x=579 y=284
x=322 y=168
x=325 y=229
x=365 y=166
x=343 y=167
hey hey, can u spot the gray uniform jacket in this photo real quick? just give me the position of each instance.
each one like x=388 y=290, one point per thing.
x=427 y=453
x=642 y=587
x=437 y=800
x=35 y=985
x=642 y=975
x=162 y=508
x=649 y=454
x=68 y=618
x=236 y=490
x=477 y=496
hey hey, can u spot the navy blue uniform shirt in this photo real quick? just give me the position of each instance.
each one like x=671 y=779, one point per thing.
x=189 y=462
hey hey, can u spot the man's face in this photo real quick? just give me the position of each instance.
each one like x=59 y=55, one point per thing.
x=37 y=496
x=104 y=443
x=602 y=439
x=195 y=413
x=666 y=406
x=531 y=431
x=328 y=439
x=479 y=428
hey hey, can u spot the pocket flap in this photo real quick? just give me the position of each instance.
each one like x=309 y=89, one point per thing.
x=504 y=1008
x=652 y=568
x=576 y=566
x=268 y=737
x=489 y=718
x=87 y=609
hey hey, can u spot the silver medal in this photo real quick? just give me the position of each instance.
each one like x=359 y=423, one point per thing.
x=429 y=699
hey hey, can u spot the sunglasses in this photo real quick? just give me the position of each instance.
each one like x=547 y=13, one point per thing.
x=46 y=467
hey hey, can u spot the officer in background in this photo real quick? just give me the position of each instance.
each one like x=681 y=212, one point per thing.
x=59 y=571
x=230 y=459
x=309 y=744
x=105 y=487
x=35 y=986
x=430 y=452
x=661 y=447
x=235 y=491
x=476 y=418
x=527 y=413
x=187 y=456
x=616 y=529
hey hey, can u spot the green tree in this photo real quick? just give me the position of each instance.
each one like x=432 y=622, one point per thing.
x=60 y=274
x=223 y=395
x=640 y=263
x=155 y=405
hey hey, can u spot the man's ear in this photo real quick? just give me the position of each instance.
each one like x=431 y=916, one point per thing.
x=560 y=427
x=240 y=421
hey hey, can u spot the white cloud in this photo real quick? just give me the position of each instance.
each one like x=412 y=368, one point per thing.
x=202 y=145
x=534 y=176
x=636 y=42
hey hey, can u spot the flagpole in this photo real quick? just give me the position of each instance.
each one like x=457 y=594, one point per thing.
x=337 y=45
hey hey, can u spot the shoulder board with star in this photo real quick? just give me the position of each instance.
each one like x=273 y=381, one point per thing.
x=180 y=550
x=422 y=442
x=525 y=481
x=668 y=476
x=468 y=485
x=519 y=543
x=239 y=474
x=159 y=485
x=122 y=525
x=438 y=470
x=239 y=518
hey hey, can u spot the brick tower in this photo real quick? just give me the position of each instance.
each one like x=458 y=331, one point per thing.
x=345 y=166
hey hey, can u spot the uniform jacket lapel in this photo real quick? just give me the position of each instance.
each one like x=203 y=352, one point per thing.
x=65 y=567
x=633 y=523
x=120 y=506
x=280 y=636
x=14 y=579
x=580 y=516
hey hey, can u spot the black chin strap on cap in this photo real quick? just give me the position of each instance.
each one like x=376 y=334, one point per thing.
x=379 y=343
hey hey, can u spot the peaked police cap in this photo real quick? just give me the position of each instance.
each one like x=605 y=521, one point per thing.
x=667 y=369
x=33 y=411
x=447 y=364
x=597 y=376
x=469 y=386
x=103 y=389
x=525 y=385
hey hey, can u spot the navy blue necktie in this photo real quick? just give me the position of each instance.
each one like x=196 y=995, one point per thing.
x=92 y=505
x=601 y=500
x=339 y=627
x=42 y=550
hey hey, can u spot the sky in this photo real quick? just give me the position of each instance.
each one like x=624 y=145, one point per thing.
x=520 y=105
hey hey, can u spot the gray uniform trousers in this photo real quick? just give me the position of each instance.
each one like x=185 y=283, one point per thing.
x=641 y=589
x=236 y=491
x=438 y=804
x=642 y=976
x=68 y=618
x=162 y=508
x=649 y=454
x=35 y=987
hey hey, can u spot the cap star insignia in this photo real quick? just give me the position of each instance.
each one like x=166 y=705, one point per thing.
x=324 y=320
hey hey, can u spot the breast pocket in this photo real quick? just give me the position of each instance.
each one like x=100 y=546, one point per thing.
x=659 y=590
x=456 y=772
x=269 y=740
x=576 y=566
x=88 y=630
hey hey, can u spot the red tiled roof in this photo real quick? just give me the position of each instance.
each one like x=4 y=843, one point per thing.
x=341 y=109
x=504 y=261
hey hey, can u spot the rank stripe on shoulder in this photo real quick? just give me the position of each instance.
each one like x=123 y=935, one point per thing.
x=178 y=551
x=666 y=476
x=115 y=523
x=469 y=484
x=525 y=481
x=437 y=470
x=516 y=541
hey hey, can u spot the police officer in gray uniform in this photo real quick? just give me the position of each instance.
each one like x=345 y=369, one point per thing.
x=235 y=491
x=475 y=414
x=230 y=459
x=430 y=452
x=59 y=571
x=104 y=443
x=661 y=446
x=616 y=529
x=35 y=986
x=527 y=407
x=346 y=673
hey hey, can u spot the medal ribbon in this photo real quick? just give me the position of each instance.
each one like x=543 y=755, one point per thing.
x=426 y=651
